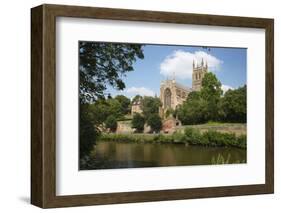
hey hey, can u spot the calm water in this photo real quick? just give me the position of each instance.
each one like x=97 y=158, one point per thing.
x=109 y=155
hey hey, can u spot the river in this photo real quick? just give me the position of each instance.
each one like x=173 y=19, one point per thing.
x=112 y=155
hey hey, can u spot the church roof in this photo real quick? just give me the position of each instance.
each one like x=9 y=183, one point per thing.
x=183 y=87
x=178 y=85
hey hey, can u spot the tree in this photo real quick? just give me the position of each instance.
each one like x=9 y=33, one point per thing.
x=211 y=92
x=137 y=98
x=233 y=105
x=114 y=108
x=88 y=130
x=125 y=103
x=138 y=122
x=155 y=122
x=111 y=123
x=193 y=110
x=150 y=105
x=102 y=64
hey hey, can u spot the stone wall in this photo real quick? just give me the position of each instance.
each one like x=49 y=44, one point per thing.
x=170 y=125
x=124 y=127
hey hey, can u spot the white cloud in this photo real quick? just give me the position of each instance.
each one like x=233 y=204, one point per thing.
x=143 y=91
x=225 y=88
x=179 y=63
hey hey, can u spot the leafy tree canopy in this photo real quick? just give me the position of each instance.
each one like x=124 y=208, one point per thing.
x=136 y=98
x=88 y=130
x=150 y=105
x=211 y=92
x=155 y=122
x=211 y=87
x=233 y=105
x=124 y=102
x=138 y=122
x=111 y=123
x=102 y=64
x=193 y=110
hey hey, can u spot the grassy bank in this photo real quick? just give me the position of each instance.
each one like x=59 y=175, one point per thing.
x=189 y=136
x=236 y=128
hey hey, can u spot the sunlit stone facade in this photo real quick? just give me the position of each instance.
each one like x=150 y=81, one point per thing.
x=173 y=94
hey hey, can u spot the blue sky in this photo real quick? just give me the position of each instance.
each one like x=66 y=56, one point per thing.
x=164 y=62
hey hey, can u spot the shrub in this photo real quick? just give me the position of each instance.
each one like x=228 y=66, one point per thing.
x=190 y=136
x=138 y=122
x=111 y=123
x=242 y=141
x=155 y=122
x=214 y=138
x=162 y=138
x=89 y=132
x=224 y=139
x=178 y=137
x=193 y=136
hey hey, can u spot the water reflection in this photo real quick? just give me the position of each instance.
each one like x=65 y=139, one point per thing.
x=109 y=155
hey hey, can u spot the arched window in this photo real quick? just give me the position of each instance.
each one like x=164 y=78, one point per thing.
x=167 y=98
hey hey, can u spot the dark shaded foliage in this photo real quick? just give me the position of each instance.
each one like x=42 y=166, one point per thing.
x=155 y=122
x=102 y=64
x=138 y=122
x=233 y=105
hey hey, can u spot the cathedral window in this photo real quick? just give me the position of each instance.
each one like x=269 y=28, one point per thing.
x=167 y=98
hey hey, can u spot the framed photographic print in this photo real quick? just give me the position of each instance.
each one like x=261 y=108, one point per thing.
x=136 y=106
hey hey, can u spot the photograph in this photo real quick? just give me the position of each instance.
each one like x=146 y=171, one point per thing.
x=148 y=105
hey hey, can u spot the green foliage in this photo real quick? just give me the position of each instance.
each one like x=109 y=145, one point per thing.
x=211 y=93
x=111 y=123
x=242 y=141
x=150 y=105
x=136 y=98
x=193 y=110
x=114 y=107
x=138 y=122
x=193 y=137
x=102 y=64
x=170 y=112
x=220 y=139
x=124 y=102
x=164 y=139
x=133 y=138
x=104 y=108
x=214 y=138
x=220 y=159
x=88 y=130
x=233 y=105
x=155 y=122
x=209 y=105
x=190 y=136
x=211 y=87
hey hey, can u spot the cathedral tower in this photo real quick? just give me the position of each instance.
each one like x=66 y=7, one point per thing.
x=198 y=74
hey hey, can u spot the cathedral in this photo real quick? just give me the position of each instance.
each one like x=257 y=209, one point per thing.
x=173 y=94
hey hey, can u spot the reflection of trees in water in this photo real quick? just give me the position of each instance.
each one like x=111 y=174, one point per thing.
x=133 y=155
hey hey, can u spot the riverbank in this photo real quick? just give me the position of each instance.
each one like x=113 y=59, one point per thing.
x=236 y=128
x=189 y=136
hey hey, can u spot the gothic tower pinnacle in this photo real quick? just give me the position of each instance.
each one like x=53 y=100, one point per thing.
x=198 y=73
